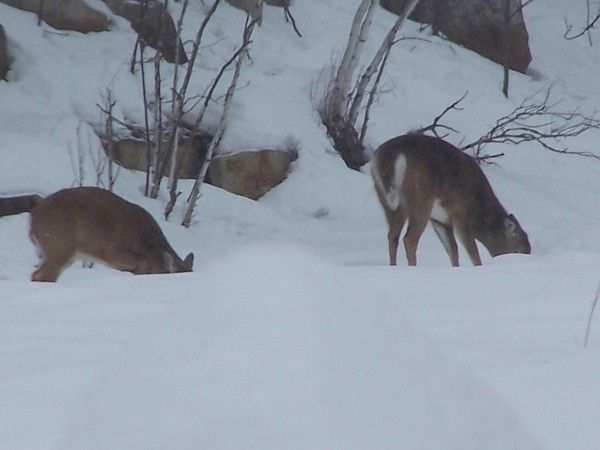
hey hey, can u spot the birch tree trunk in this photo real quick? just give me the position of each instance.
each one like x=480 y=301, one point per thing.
x=338 y=99
x=216 y=140
x=376 y=62
x=181 y=94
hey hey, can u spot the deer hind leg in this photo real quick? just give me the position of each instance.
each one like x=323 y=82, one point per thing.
x=395 y=224
x=446 y=235
x=52 y=264
x=416 y=225
x=465 y=234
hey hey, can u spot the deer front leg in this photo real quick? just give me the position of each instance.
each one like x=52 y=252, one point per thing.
x=467 y=238
x=446 y=235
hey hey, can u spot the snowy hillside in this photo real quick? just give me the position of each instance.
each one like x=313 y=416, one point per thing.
x=292 y=332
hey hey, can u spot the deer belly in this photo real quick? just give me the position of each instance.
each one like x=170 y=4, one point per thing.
x=439 y=213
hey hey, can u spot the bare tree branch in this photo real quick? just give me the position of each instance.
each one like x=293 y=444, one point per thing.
x=215 y=82
x=538 y=122
x=371 y=98
x=109 y=131
x=590 y=317
x=290 y=18
x=591 y=24
x=338 y=95
x=433 y=126
x=352 y=112
x=532 y=121
x=181 y=95
x=216 y=140
x=172 y=184
x=146 y=122
x=520 y=8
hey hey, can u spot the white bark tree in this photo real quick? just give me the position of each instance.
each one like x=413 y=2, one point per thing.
x=222 y=127
x=340 y=90
x=343 y=100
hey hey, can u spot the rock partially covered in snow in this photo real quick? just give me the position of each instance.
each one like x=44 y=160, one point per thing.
x=73 y=15
x=252 y=7
x=476 y=24
x=251 y=174
x=154 y=25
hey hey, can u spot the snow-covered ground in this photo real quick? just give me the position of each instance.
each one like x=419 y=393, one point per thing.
x=293 y=333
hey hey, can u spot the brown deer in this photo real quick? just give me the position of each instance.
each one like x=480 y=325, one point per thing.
x=423 y=179
x=97 y=225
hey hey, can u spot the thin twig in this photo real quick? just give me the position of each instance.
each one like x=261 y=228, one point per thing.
x=146 y=122
x=538 y=122
x=587 y=28
x=216 y=140
x=180 y=95
x=290 y=18
x=371 y=98
x=216 y=80
x=589 y=323
x=433 y=126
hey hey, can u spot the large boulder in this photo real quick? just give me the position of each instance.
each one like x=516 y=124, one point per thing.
x=279 y=3
x=131 y=153
x=475 y=24
x=250 y=173
x=3 y=53
x=155 y=26
x=252 y=7
x=64 y=14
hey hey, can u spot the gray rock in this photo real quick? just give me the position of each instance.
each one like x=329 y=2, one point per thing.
x=250 y=173
x=252 y=7
x=476 y=24
x=131 y=154
x=64 y=14
x=280 y=3
x=154 y=25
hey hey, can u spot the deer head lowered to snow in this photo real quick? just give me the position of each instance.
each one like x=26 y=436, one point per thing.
x=423 y=179
x=95 y=224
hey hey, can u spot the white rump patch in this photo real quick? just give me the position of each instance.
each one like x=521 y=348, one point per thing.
x=438 y=213
x=393 y=193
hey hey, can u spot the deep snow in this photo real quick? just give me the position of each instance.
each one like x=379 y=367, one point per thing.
x=292 y=332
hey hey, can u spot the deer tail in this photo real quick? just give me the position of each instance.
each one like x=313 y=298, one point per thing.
x=10 y=206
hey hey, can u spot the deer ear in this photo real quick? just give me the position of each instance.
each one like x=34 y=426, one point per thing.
x=188 y=262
